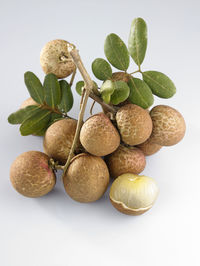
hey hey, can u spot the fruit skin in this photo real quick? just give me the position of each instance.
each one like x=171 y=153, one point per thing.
x=134 y=124
x=98 y=135
x=117 y=76
x=126 y=160
x=87 y=178
x=148 y=147
x=133 y=194
x=55 y=58
x=58 y=139
x=28 y=102
x=168 y=125
x=31 y=175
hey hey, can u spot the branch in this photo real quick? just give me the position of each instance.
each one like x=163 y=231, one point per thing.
x=105 y=106
x=88 y=88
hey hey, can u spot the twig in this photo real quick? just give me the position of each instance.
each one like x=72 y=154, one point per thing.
x=88 y=88
x=105 y=106
x=72 y=78
x=137 y=71
x=92 y=106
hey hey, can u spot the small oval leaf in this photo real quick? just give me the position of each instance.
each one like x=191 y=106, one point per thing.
x=34 y=87
x=55 y=117
x=107 y=90
x=22 y=114
x=116 y=52
x=79 y=87
x=101 y=69
x=137 y=43
x=67 y=99
x=140 y=93
x=161 y=85
x=36 y=122
x=52 y=90
x=120 y=93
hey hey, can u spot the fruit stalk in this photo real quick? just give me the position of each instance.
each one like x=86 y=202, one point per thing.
x=105 y=106
x=88 y=88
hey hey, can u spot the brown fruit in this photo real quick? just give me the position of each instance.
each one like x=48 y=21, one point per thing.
x=117 y=76
x=134 y=124
x=98 y=135
x=55 y=58
x=87 y=178
x=31 y=174
x=133 y=194
x=168 y=125
x=148 y=147
x=126 y=160
x=28 y=102
x=58 y=139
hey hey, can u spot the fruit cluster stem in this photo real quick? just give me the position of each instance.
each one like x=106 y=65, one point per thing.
x=105 y=106
x=88 y=88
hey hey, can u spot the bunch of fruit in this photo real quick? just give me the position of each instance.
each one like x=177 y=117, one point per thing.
x=113 y=143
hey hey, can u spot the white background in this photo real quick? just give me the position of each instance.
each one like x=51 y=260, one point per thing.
x=57 y=231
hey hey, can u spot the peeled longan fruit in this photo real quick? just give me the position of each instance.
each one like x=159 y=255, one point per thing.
x=133 y=194
x=134 y=124
x=55 y=58
x=28 y=102
x=98 y=135
x=148 y=147
x=168 y=125
x=126 y=160
x=31 y=175
x=87 y=178
x=58 y=139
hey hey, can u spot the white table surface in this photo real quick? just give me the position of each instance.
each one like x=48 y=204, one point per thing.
x=55 y=230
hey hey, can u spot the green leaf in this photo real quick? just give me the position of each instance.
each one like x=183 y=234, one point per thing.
x=101 y=69
x=34 y=87
x=116 y=52
x=79 y=86
x=95 y=89
x=19 y=116
x=120 y=93
x=55 y=117
x=140 y=93
x=36 y=122
x=107 y=90
x=159 y=83
x=41 y=132
x=67 y=99
x=52 y=90
x=137 y=43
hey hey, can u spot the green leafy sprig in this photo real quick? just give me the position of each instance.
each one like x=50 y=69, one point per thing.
x=53 y=100
x=137 y=91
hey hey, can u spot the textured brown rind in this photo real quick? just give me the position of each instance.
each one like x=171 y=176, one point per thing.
x=168 y=125
x=119 y=206
x=31 y=175
x=28 y=102
x=117 y=76
x=98 y=135
x=149 y=147
x=55 y=58
x=58 y=139
x=87 y=178
x=126 y=160
x=134 y=124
